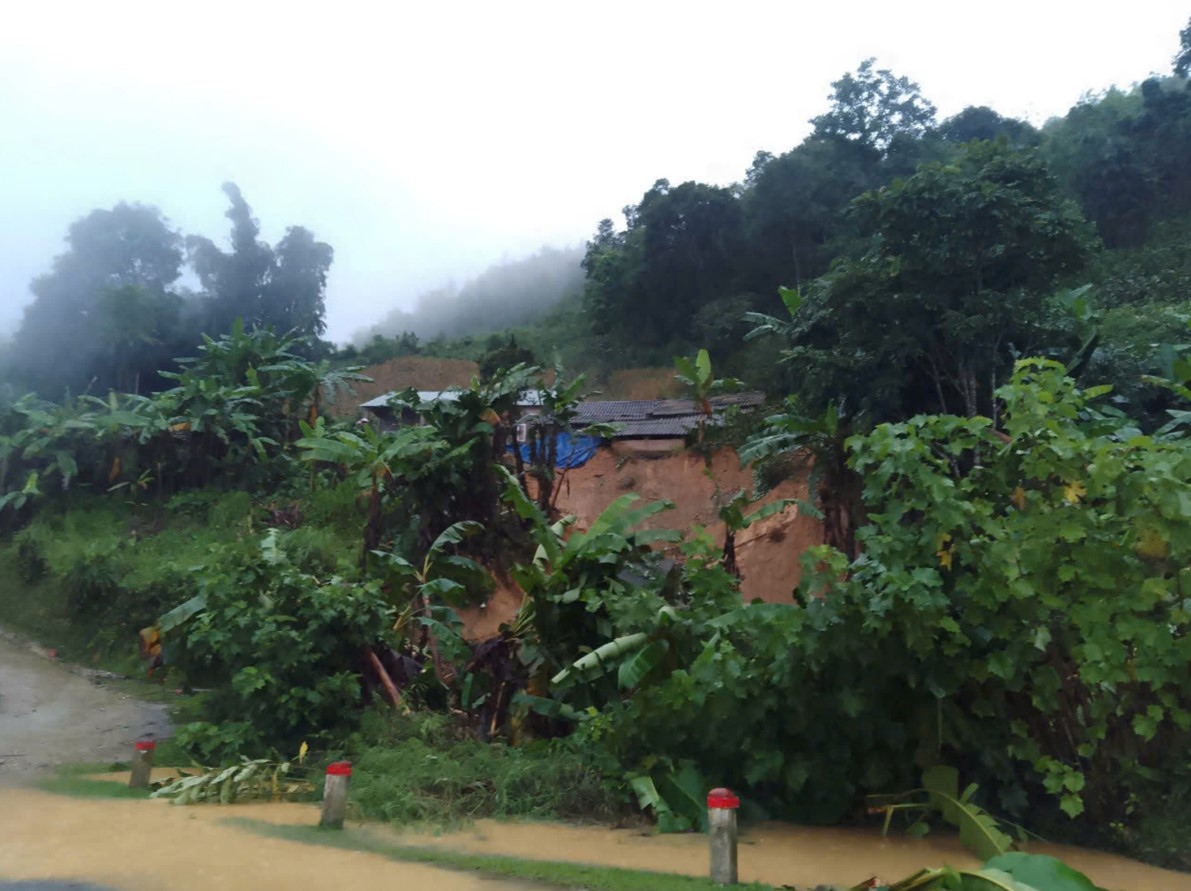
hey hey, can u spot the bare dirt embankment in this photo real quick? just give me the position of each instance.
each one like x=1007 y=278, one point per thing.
x=51 y=714
x=419 y=372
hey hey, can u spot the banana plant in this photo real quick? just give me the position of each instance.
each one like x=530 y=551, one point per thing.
x=701 y=384
x=441 y=579
x=1006 y=872
x=258 y=779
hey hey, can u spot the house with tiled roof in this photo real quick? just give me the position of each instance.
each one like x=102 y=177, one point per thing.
x=621 y=419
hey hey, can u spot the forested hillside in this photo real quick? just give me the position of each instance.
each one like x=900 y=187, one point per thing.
x=973 y=338
x=509 y=294
x=690 y=259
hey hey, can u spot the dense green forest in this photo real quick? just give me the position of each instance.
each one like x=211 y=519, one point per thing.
x=977 y=329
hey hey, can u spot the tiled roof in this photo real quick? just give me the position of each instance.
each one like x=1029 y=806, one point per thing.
x=629 y=418
x=528 y=399
x=658 y=418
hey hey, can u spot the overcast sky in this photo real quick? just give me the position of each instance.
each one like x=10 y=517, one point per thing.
x=426 y=140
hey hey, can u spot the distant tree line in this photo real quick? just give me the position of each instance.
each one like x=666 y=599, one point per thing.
x=506 y=294
x=112 y=313
x=881 y=184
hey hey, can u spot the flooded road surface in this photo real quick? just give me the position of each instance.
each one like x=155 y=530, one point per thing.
x=50 y=715
x=804 y=856
x=138 y=844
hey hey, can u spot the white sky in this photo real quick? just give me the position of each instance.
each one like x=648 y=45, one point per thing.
x=426 y=140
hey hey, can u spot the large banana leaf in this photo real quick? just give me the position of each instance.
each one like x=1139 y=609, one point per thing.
x=602 y=659
x=978 y=830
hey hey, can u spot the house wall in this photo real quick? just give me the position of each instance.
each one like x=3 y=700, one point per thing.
x=768 y=552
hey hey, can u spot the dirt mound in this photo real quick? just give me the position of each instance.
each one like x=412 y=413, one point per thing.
x=419 y=372
x=641 y=383
x=769 y=552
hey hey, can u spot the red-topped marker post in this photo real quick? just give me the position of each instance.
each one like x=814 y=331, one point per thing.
x=721 y=830
x=335 y=795
x=142 y=764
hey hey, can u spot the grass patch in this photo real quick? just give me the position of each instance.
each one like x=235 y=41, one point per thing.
x=547 y=872
x=74 y=780
x=423 y=769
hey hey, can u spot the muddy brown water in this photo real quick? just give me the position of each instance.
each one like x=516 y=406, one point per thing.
x=133 y=845
x=50 y=715
x=779 y=854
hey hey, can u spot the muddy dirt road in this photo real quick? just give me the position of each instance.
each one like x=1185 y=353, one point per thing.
x=51 y=714
x=144 y=844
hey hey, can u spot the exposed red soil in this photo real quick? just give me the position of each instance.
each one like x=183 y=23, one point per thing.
x=768 y=553
x=419 y=372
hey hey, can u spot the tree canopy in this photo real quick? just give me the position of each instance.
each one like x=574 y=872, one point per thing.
x=947 y=280
x=109 y=314
x=875 y=108
x=281 y=288
x=1182 y=61
x=105 y=307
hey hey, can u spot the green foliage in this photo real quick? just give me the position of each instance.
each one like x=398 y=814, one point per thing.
x=425 y=768
x=230 y=419
x=696 y=376
x=104 y=314
x=115 y=568
x=256 y=779
x=503 y=354
x=280 y=287
x=646 y=656
x=678 y=253
x=1032 y=586
x=1182 y=61
x=979 y=831
x=927 y=311
x=875 y=108
x=280 y=648
x=107 y=316
x=1005 y=872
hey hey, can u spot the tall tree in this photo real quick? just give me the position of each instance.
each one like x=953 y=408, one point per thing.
x=794 y=209
x=280 y=288
x=681 y=250
x=1182 y=61
x=294 y=296
x=876 y=108
x=104 y=299
x=950 y=279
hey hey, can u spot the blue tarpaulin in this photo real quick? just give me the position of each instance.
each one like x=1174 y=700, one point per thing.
x=573 y=450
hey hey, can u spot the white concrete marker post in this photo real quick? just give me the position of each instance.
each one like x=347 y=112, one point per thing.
x=721 y=830
x=335 y=795
x=142 y=764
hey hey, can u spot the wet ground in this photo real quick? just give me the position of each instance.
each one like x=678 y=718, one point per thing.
x=778 y=854
x=49 y=714
x=54 y=714
x=138 y=844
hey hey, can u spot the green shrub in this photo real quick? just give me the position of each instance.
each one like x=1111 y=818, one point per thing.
x=1035 y=590
x=424 y=767
x=280 y=647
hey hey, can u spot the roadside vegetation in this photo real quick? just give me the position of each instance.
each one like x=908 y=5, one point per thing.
x=995 y=411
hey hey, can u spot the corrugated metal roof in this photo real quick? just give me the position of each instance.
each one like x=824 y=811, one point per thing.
x=529 y=398
x=658 y=418
x=630 y=418
x=661 y=428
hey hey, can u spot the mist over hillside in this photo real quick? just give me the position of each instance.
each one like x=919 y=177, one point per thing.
x=510 y=293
